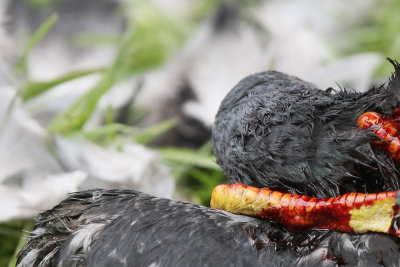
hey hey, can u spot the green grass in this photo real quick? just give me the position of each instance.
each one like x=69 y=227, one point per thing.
x=12 y=239
x=146 y=44
x=109 y=132
x=32 y=89
x=41 y=32
x=379 y=32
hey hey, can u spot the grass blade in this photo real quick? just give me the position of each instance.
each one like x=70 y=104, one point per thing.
x=147 y=134
x=146 y=44
x=140 y=135
x=190 y=157
x=41 y=32
x=75 y=116
x=33 y=89
x=21 y=243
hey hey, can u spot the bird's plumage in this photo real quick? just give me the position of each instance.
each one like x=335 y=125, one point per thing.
x=272 y=130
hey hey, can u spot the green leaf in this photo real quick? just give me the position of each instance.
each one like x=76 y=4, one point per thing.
x=22 y=241
x=190 y=157
x=108 y=130
x=140 y=135
x=156 y=36
x=43 y=29
x=33 y=89
x=40 y=3
x=147 y=134
x=146 y=43
x=201 y=182
x=92 y=39
x=75 y=116
x=378 y=33
x=205 y=178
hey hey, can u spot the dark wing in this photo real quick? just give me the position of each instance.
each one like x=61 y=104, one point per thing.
x=77 y=216
x=128 y=228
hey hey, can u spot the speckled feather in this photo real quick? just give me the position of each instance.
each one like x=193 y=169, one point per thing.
x=272 y=130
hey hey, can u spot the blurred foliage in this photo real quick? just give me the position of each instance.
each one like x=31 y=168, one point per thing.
x=154 y=36
x=190 y=157
x=196 y=171
x=380 y=33
x=91 y=39
x=12 y=238
x=31 y=89
x=199 y=183
x=43 y=29
x=108 y=133
x=205 y=7
x=40 y=3
x=147 y=42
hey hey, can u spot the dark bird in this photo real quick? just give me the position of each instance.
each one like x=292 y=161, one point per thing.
x=272 y=131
